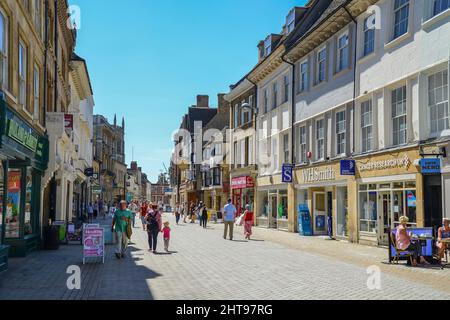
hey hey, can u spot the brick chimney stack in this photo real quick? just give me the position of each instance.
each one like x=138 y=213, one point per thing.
x=134 y=166
x=203 y=101
x=223 y=105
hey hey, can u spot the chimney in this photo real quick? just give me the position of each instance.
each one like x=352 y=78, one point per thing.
x=261 y=52
x=223 y=105
x=134 y=166
x=203 y=101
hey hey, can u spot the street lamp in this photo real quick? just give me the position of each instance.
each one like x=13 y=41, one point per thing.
x=246 y=106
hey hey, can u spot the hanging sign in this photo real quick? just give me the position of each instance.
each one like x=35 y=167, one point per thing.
x=431 y=166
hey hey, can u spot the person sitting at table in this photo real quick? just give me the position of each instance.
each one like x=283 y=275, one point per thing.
x=443 y=233
x=404 y=242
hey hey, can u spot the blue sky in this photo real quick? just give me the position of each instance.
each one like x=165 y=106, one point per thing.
x=149 y=59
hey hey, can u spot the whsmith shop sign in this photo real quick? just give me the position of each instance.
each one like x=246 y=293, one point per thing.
x=21 y=137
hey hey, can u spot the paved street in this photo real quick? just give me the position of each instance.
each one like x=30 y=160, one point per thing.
x=276 y=265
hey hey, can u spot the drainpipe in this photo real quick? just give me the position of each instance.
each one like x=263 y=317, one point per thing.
x=354 y=73
x=292 y=109
x=55 y=107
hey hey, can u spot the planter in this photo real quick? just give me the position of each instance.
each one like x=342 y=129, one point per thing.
x=4 y=257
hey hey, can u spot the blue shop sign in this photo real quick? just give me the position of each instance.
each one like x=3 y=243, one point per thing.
x=431 y=166
x=348 y=167
x=288 y=173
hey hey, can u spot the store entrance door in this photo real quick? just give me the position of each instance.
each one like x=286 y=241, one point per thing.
x=237 y=201
x=384 y=217
x=273 y=203
x=320 y=219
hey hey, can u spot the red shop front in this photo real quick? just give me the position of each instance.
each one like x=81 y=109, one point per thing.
x=243 y=191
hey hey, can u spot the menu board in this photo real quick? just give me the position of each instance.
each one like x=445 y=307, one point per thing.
x=93 y=243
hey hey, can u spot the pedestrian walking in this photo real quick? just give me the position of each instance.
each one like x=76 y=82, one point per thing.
x=229 y=217
x=95 y=210
x=90 y=213
x=133 y=209
x=122 y=217
x=204 y=219
x=100 y=209
x=166 y=235
x=153 y=220
x=248 y=222
x=184 y=211
x=199 y=213
x=144 y=211
x=177 y=213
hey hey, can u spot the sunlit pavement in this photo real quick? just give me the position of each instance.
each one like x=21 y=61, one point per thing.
x=202 y=265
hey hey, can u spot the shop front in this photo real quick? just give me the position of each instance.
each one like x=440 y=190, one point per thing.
x=24 y=154
x=388 y=186
x=323 y=189
x=243 y=192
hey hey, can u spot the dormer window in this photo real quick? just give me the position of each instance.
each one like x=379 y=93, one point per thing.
x=268 y=46
x=290 y=21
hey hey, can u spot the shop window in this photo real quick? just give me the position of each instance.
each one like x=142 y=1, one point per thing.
x=283 y=206
x=12 y=219
x=28 y=225
x=264 y=212
x=342 y=211
x=368 y=212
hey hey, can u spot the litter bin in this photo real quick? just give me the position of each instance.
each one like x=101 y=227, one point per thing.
x=304 y=221
x=51 y=237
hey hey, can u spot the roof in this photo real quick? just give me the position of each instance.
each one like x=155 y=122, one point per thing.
x=76 y=57
x=200 y=114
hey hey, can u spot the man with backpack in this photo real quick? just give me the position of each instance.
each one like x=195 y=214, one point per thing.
x=154 y=227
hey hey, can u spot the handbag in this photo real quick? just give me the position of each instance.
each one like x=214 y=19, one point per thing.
x=129 y=229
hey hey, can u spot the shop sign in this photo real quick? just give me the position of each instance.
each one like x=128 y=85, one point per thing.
x=348 y=167
x=96 y=190
x=404 y=162
x=22 y=133
x=317 y=174
x=431 y=166
x=287 y=173
x=242 y=183
x=68 y=121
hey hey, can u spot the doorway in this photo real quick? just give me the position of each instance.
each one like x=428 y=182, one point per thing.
x=320 y=219
x=273 y=203
x=433 y=201
x=384 y=218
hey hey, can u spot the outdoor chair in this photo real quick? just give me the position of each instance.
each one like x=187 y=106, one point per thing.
x=399 y=252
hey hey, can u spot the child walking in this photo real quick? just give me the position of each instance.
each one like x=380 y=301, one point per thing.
x=166 y=235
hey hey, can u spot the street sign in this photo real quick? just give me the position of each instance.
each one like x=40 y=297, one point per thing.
x=288 y=173
x=348 y=167
x=89 y=172
x=431 y=166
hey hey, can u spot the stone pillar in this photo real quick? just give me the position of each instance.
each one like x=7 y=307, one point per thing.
x=292 y=212
x=353 y=215
x=420 y=201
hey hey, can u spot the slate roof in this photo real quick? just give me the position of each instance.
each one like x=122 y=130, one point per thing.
x=200 y=114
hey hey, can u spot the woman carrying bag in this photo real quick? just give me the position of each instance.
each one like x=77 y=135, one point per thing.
x=154 y=227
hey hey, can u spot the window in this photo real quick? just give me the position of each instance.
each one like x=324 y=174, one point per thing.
x=22 y=73
x=440 y=6
x=340 y=133
x=275 y=95
x=302 y=141
x=438 y=102
x=343 y=52
x=290 y=21
x=399 y=116
x=366 y=126
x=368 y=211
x=236 y=155
x=268 y=46
x=216 y=176
x=401 y=16
x=369 y=35
x=304 y=77
x=247 y=151
x=286 y=88
x=36 y=92
x=320 y=139
x=321 y=65
x=266 y=101
x=3 y=51
x=236 y=116
x=286 y=148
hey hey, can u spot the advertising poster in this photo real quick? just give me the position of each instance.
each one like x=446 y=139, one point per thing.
x=93 y=243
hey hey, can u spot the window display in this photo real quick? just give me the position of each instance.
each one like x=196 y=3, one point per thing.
x=12 y=219
x=28 y=203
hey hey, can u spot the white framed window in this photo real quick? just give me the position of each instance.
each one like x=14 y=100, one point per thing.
x=303 y=76
x=320 y=139
x=303 y=145
x=275 y=95
x=266 y=101
x=399 y=124
x=268 y=46
x=438 y=102
x=440 y=6
x=401 y=17
x=341 y=129
x=36 y=92
x=321 y=65
x=3 y=50
x=236 y=115
x=22 y=73
x=286 y=148
x=290 y=21
x=369 y=35
x=366 y=126
x=343 y=52
x=286 y=88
